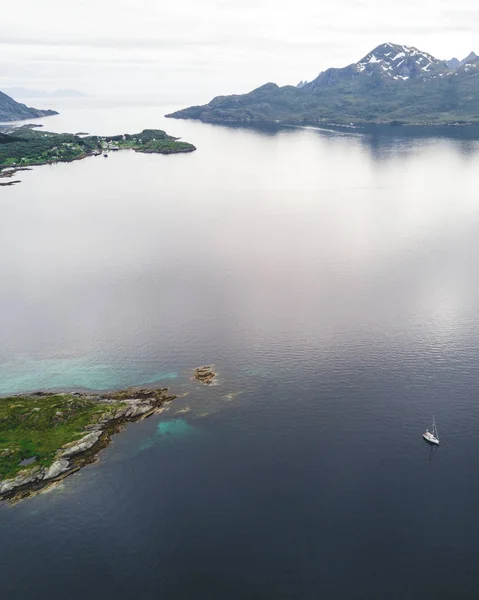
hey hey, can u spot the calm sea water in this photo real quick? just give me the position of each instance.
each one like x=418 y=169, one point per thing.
x=332 y=279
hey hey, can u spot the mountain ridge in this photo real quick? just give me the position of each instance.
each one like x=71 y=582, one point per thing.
x=392 y=83
x=454 y=62
x=24 y=93
x=11 y=110
x=388 y=60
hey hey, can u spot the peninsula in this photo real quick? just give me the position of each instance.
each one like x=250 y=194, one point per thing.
x=23 y=147
x=393 y=84
x=44 y=437
x=11 y=110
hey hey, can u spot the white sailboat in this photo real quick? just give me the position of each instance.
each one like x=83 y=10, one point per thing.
x=432 y=436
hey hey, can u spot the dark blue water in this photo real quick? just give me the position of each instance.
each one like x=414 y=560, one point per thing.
x=332 y=280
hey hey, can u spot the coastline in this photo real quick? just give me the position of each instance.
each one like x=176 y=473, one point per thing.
x=320 y=124
x=10 y=170
x=117 y=408
x=469 y=131
x=73 y=147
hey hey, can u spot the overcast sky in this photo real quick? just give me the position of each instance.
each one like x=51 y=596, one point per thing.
x=202 y=48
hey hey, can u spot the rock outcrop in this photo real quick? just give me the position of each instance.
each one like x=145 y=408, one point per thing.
x=25 y=477
x=205 y=374
x=57 y=468
x=85 y=443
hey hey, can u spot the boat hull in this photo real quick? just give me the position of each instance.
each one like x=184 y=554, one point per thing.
x=430 y=438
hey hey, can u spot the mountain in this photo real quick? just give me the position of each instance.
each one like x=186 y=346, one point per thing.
x=392 y=83
x=22 y=92
x=388 y=61
x=10 y=110
x=453 y=63
x=469 y=59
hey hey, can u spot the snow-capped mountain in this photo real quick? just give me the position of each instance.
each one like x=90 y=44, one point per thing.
x=469 y=59
x=469 y=66
x=400 y=62
x=390 y=61
x=391 y=84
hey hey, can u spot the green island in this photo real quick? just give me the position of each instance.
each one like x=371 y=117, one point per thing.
x=45 y=437
x=24 y=147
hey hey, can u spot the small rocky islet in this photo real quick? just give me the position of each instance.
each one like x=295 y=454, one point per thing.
x=204 y=374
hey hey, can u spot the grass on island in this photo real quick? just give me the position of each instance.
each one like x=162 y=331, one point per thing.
x=37 y=426
x=151 y=140
x=26 y=147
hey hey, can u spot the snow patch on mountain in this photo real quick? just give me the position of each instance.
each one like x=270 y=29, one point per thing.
x=394 y=62
x=398 y=62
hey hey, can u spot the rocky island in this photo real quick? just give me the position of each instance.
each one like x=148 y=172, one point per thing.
x=204 y=374
x=44 y=437
x=392 y=85
x=23 y=147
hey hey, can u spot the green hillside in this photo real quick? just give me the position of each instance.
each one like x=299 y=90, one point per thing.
x=393 y=83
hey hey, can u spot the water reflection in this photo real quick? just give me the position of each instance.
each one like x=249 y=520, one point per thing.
x=137 y=267
x=382 y=142
x=331 y=277
x=433 y=449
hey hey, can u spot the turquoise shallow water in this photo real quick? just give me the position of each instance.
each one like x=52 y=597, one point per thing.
x=168 y=431
x=178 y=427
x=71 y=373
x=331 y=279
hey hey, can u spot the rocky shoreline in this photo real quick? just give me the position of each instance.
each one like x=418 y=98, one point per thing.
x=121 y=407
x=4 y=184
x=8 y=172
x=23 y=147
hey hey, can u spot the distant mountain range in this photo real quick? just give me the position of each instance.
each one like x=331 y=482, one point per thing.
x=21 y=92
x=392 y=84
x=10 y=110
x=453 y=63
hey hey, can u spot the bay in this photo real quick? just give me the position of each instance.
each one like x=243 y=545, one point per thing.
x=331 y=278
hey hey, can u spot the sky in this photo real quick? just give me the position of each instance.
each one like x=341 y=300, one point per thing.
x=204 y=48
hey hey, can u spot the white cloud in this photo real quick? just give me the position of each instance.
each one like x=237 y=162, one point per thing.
x=215 y=46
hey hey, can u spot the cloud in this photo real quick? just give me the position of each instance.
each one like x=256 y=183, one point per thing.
x=247 y=41
x=114 y=43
